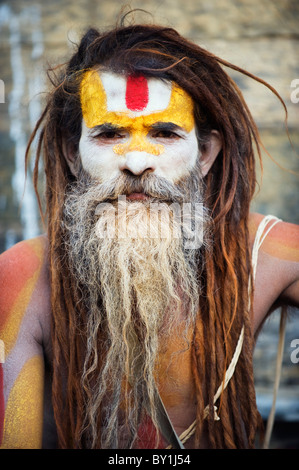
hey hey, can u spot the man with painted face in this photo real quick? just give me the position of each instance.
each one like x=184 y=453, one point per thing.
x=139 y=309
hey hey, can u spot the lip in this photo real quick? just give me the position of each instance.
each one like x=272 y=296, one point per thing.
x=137 y=197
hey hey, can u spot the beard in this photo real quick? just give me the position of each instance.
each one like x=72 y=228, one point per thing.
x=137 y=266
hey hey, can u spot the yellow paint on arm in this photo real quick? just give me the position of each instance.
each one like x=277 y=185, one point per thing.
x=33 y=252
x=24 y=410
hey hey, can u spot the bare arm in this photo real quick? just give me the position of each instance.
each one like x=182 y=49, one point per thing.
x=21 y=330
x=283 y=246
x=277 y=279
x=289 y=234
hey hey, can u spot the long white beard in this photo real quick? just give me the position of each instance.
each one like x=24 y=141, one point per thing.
x=142 y=285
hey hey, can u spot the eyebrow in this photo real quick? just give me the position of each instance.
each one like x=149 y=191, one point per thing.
x=160 y=125
x=170 y=126
x=107 y=126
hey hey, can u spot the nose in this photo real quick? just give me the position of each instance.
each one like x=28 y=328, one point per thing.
x=138 y=162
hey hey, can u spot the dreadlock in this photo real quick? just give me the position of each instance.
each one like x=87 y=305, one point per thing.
x=225 y=300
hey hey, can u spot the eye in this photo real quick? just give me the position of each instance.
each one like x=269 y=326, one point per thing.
x=109 y=135
x=165 y=134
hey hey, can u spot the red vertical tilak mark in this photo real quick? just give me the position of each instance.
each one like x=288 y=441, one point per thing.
x=136 y=93
x=1 y=403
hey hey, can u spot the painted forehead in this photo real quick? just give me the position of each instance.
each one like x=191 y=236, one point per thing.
x=107 y=97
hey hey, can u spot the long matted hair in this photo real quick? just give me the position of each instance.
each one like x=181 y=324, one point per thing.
x=156 y=51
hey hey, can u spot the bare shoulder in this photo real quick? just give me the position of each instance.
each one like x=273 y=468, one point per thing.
x=284 y=236
x=277 y=277
x=24 y=288
x=282 y=240
x=25 y=255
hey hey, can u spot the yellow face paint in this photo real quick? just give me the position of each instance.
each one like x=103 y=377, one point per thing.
x=140 y=144
x=130 y=121
x=102 y=105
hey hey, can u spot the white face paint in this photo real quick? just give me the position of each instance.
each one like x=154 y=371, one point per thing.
x=136 y=124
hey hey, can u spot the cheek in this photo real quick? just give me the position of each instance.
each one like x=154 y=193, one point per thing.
x=98 y=162
x=179 y=159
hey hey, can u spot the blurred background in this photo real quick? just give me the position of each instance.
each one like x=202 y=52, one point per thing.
x=261 y=36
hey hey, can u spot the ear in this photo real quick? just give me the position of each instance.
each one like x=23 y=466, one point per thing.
x=209 y=151
x=71 y=157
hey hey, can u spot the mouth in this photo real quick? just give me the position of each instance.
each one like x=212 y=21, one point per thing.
x=137 y=196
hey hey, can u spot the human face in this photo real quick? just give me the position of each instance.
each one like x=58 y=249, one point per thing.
x=136 y=124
